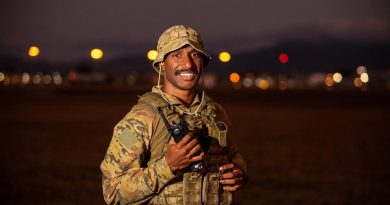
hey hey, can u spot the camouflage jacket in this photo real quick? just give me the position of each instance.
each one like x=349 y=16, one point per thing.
x=134 y=168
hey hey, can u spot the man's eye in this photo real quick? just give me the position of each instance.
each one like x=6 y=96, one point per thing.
x=176 y=55
x=196 y=55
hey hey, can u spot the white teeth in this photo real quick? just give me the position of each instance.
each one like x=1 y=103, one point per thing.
x=186 y=74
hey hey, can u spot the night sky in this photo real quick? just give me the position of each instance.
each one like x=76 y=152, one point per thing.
x=67 y=30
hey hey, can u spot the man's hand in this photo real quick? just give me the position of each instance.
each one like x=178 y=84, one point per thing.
x=232 y=177
x=180 y=155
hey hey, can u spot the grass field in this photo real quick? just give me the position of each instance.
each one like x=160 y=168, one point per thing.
x=302 y=147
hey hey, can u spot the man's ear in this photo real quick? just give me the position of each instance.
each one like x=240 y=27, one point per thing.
x=162 y=65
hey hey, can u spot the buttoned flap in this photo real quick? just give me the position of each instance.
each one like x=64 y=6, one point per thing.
x=218 y=130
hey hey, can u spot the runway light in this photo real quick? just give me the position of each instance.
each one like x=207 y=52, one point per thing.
x=357 y=82
x=152 y=55
x=283 y=58
x=57 y=78
x=96 y=53
x=263 y=84
x=337 y=77
x=361 y=69
x=37 y=78
x=224 y=57
x=25 y=78
x=2 y=76
x=247 y=82
x=46 y=79
x=33 y=51
x=364 y=77
x=234 y=77
x=329 y=80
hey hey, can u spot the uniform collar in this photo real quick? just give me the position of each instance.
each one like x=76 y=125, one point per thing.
x=173 y=100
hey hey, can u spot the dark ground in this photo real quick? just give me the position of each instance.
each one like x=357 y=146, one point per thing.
x=306 y=147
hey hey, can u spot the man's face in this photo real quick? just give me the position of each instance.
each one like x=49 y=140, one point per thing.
x=182 y=68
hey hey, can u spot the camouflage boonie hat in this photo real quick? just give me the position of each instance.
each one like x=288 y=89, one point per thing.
x=176 y=37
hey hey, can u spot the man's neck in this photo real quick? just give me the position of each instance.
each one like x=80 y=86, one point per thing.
x=185 y=96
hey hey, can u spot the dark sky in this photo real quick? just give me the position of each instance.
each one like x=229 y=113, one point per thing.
x=67 y=29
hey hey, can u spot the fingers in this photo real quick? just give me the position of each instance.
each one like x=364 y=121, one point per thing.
x=232 y=181
x=185 y=140
x=236 y=173
x=226 y=167
x=232 y=188
x=198 y=157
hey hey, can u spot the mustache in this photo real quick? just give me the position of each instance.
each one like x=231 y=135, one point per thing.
x=177 y=72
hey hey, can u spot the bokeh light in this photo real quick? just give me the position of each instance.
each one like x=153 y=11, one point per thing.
x=337 y=77
x=152 y=55
x=25 y=78
x=33 y=51
x=283 y=58
x=2 y=76
x=357 y=82
x=97 y=53
x=37 y=78
x=361 y=69
x=364 y=77
x=46 y=79
x=57 y=78
x=224 y=56
x=329 y=80
x=263 y=84
x=234 y=77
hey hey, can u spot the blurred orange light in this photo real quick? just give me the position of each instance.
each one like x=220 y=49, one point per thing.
x=357 y=82
x=33 y=51
x=234 y=77
x=329 y=80
x=263 y=84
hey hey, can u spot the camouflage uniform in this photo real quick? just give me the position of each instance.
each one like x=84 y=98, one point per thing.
x=134 y=168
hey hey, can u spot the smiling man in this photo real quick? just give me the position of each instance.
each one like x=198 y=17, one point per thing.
x=174 y=147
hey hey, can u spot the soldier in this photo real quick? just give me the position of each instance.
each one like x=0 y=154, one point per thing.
x=144 y=164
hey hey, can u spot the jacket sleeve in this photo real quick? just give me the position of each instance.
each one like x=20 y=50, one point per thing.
x=127 y=179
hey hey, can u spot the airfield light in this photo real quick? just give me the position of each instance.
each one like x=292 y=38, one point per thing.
x=96 y=53
x=283 y=58
x=357 y=82
x=33 y=51
x=263 y=84
x=152 y=55
x=361 y=69
x=364 y=77
x=234 y=77
x=329 y=80
x=2 y=76
x=224 y=57
x=337 y=77
x=25 y=78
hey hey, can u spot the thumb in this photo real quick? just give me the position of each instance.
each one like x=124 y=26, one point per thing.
x=171 y=141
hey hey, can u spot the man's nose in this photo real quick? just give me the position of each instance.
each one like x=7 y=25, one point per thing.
x=188 y=62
